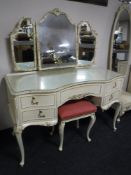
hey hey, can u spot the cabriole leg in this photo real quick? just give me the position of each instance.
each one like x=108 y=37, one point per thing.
x=117 y=111
x=20 y=143
x=93 y=119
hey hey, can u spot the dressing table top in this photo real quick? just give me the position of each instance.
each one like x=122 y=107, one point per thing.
x=53 y=80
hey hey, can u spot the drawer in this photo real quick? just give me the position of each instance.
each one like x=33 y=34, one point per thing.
x=38 y=114
x=37 y=100
x=108 y=99
x=80 y=92
x=113 y=86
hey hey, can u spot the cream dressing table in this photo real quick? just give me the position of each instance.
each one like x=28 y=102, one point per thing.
x=34 y=97
x=60 y=56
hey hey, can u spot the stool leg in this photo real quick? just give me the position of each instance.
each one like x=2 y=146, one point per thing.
x=93 y=119
x=61 y=133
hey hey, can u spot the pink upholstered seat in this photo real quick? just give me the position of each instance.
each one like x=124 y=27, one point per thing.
x=76 y=108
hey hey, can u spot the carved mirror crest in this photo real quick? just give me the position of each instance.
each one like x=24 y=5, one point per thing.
x=56 y=41
x=86 y=43
x=120 y=41
x=23 y=45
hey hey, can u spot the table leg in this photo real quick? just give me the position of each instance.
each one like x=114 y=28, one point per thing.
x=20 y=143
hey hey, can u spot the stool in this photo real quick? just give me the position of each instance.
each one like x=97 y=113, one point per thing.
x=125 y=102
x=75 y=110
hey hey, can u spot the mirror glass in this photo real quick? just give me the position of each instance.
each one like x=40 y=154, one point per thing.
x=119 y=53
x=86 y=42
x=23 y=46
x=56 y=41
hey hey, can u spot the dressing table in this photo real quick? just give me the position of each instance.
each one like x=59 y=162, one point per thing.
x=34 y=96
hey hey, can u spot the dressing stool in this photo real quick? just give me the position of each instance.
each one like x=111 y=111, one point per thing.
x=125 y=102
x=75 y=110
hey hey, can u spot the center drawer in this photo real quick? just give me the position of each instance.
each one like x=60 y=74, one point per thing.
x=37 y=100
x=80 y=92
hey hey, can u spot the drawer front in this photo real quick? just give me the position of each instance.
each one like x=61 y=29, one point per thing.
x=37 y=101
x=108 y=99
x=80 y=92
x=113 y=86
x=38 y=114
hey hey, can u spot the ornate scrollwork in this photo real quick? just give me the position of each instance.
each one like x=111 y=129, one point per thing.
x=79 y=96
x=56 y=12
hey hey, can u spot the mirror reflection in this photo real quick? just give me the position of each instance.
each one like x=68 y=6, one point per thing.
x=119 y=53
x=86 y=42
x=121 y=42
x=56 y=40
x=23 y=45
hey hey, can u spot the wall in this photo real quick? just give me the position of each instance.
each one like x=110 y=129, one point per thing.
x=101 y=19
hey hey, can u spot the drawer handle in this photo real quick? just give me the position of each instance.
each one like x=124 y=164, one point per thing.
x=41 y=115
x=33 y=101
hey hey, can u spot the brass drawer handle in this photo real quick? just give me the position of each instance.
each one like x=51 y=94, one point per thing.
x=33 y=101
x=41 y=115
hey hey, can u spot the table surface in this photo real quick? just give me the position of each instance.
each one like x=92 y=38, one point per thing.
x=52 y=80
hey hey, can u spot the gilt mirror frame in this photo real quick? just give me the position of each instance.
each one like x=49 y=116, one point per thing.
x=27 y=65
x=122 y=8
x=56 y=13
x=91 y=35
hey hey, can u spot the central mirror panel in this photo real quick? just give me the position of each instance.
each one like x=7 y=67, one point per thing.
x=56 y=41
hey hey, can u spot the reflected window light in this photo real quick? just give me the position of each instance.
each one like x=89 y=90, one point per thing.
x=81 y=77
x=42 y=85
x=64 y=45
x=74 y=58
x=60 y=51
x=50 y=51
x=116 y=32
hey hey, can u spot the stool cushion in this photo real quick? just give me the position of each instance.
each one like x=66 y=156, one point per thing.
x=76 y=109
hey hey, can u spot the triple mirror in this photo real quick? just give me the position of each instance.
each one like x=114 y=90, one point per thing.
x=54 y=42
x=120 y=41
